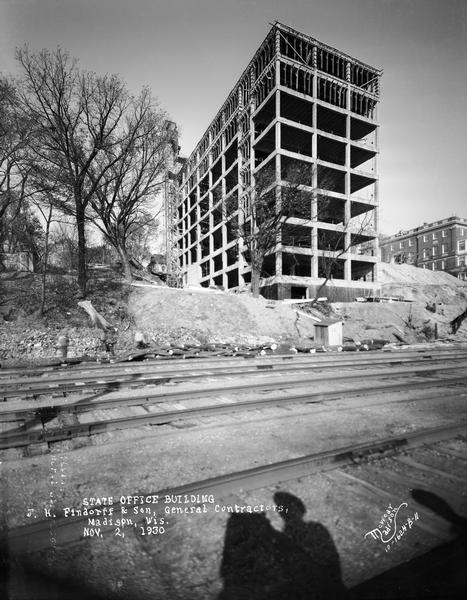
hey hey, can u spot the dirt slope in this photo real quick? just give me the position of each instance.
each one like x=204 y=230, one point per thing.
x=434 y=299
x=389 y=274
x=198 y=316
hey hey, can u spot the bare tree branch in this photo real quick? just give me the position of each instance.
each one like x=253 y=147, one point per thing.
x=88 y=128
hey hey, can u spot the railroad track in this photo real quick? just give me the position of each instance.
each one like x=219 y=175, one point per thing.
x=78 y=430
x=108 y=377
x=270 y=391
x=362 y=478
x=119 y=365
x=86 y=370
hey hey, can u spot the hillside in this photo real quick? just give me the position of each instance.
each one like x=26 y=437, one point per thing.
x=200 y=316
x=197 y=316
x=163 y=315
x=433 y=299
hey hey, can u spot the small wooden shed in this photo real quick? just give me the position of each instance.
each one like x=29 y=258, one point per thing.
x=328 y=332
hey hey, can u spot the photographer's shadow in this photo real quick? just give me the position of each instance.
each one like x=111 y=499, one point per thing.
x=260 y=562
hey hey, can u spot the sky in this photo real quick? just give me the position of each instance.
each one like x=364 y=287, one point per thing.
x=191 y=53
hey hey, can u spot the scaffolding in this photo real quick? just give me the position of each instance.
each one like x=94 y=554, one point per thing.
x=174 y=163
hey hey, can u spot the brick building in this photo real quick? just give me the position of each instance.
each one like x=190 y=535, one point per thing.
x=298 y=102
x=439 y=246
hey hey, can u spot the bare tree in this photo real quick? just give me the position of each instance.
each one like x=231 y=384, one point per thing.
x=142 y=236
x=25 y=232
x=45 y=205
x=124 y=200
x=257 y=223
x=337 y=245
x=63 y=244
x=15 y=132
x=76 y=117
x=276 y=213
x=265 y=207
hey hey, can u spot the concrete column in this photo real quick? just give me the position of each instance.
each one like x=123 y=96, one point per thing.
x=347 y=239
x=223 y=166
x=198 y=245
x=239 y=160
x=241 y=265
x=314 y=183
x=376 y=209
x=314 y=248
x=314 y=139
x=347 y=263
x=347 y=189
x=279 y=263
x=197 y=228
x=251 y=165
x=252 y=129
x=277 y=131
x=277 y=127
x=376 y=225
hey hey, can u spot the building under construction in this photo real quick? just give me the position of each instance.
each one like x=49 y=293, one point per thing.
x=298 y=102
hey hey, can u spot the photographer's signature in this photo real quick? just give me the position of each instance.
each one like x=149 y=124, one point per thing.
x=388 y=531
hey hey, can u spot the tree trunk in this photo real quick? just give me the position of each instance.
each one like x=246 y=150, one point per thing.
x=82 y=276
x=255 y=277
x=97 y=319
x=45 y=259
x=321 y=287
x=125 y=263
x=330 y=262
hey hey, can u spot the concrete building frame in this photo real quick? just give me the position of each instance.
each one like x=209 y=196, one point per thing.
x=299 y=101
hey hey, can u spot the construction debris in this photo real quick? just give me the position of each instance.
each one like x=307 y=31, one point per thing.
x=457 y=322
x=97 y=319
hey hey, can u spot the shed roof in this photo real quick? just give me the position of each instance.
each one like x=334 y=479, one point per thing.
x=328 y=322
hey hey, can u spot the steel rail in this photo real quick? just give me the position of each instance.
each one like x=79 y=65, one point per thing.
x=32 y=538
x=26 y=388
x=155 y=365
x=152 y=396
x=137 y=397
x=5 y=374
x=51 y=435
